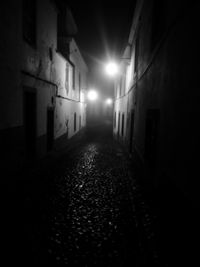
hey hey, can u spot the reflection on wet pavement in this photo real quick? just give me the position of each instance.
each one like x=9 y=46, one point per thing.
x=91 y=221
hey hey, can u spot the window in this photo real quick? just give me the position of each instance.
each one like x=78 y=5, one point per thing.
x=29 y=21
x=75 y=122
x=79 y=81
x=118 y=125
x=50 y=54
x=79 y=122
x=63 y=46
x=122 y=126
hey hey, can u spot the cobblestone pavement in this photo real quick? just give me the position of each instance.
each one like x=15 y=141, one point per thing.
x=91 y=222
x=80 y=210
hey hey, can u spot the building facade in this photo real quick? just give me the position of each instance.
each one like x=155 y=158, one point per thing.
x=156 y=115
x=157 y=95
x=43 y=79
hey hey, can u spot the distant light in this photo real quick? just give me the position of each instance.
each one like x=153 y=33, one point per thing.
x=92 y=95
x=111 y=69
x=109 y=101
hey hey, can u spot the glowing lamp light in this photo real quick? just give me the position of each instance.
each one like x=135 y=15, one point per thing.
x=109 y=101
x=111 y=69
x=92 y=95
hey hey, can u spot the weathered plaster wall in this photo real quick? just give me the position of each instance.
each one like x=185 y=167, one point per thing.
x=41 y=68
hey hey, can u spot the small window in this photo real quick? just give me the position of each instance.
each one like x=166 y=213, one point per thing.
x=29 y=21
x=79 y=122
x=75 y=122
x=79 y=81
x=119 y=124
x=50 y=54
x=122 y=126
x=62 y=46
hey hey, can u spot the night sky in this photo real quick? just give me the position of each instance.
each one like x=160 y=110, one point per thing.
x=103 y=29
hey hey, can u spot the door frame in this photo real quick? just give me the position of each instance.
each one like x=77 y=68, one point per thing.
x=30 y=151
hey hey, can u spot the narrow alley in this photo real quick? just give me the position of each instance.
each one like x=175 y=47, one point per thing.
x=77 y=209
x=92 y=222
x=99 y=133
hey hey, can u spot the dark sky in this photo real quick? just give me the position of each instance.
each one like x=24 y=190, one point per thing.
x=103 y=28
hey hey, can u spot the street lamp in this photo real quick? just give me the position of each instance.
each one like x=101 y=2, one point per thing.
x=111 y=68
x=109 y=101
x=92 y=95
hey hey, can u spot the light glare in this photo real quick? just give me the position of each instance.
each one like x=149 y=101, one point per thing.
x=92 y=95
x=109 y=101
x=111 y=69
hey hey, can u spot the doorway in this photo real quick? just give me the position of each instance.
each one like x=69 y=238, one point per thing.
x=118 y=132
x=30 y=122
x=122 y=126
x=131 y=131
x=50 y=128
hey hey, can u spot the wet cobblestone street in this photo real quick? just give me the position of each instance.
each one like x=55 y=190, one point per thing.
x=91 y=222
x=78 y=209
